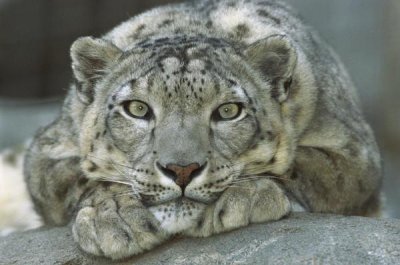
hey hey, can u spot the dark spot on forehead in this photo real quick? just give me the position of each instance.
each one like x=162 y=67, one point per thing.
x=232 y=82
x=241 y=31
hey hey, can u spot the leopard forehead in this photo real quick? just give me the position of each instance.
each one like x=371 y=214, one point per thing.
x=185 y=54
x=185 y=70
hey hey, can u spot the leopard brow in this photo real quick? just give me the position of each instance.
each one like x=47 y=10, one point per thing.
x=235 y=94
x=130 y=90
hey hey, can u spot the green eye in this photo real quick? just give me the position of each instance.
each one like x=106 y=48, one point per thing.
x=137 y=109
x=228 y=111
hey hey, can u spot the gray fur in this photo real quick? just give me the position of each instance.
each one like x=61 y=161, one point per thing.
x=301 y=134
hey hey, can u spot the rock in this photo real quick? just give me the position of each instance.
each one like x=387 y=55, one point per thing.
x=300 y=239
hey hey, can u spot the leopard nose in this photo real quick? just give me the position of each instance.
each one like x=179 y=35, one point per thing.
x=182 y=175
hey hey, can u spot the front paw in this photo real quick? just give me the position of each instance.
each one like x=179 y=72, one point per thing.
x=250 y=202
x=116 y=229
x=269 y=203
x=233 y=209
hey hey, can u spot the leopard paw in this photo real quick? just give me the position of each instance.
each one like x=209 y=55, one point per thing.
x=116 y=231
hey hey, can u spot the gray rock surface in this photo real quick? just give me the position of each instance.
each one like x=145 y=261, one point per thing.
x=300 y=239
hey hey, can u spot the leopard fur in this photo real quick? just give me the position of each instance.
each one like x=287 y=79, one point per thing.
x=300 y=135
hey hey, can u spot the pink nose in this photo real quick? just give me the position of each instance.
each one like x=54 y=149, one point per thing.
x=183 y=175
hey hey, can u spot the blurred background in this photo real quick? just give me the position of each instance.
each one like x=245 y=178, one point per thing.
x=35 y=67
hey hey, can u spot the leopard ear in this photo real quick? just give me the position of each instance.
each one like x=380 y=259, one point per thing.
x=90 y=59
x=276 y=58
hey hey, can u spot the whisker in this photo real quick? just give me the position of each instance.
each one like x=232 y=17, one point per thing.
x=126 y=194
x=263 y=176
x=115 y=180
x=241 y=187
x=281 y=178
x=117 y=169
x=110 y=160
x=136 y=195
x=240 y=180
x=252 y=176
x=123 y=174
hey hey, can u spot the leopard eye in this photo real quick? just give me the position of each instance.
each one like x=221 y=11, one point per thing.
x=137 y=109
x=228 y=111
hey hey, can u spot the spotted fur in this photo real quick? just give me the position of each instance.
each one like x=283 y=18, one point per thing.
x=300 y=136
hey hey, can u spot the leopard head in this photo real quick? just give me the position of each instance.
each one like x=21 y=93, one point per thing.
x=182 y=117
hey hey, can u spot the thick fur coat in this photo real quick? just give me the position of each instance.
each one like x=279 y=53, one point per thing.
x=199 y=118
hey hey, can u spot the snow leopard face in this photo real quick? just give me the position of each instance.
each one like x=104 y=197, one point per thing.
x=178 y=118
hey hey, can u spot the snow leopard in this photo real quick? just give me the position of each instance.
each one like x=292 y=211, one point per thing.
x=199 y=118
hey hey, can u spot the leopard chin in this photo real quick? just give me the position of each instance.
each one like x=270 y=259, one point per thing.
x=178 y=215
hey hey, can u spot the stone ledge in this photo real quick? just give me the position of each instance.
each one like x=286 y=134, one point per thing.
x=300 y=239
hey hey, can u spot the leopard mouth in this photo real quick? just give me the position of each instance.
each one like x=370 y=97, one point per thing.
x=150 y=201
